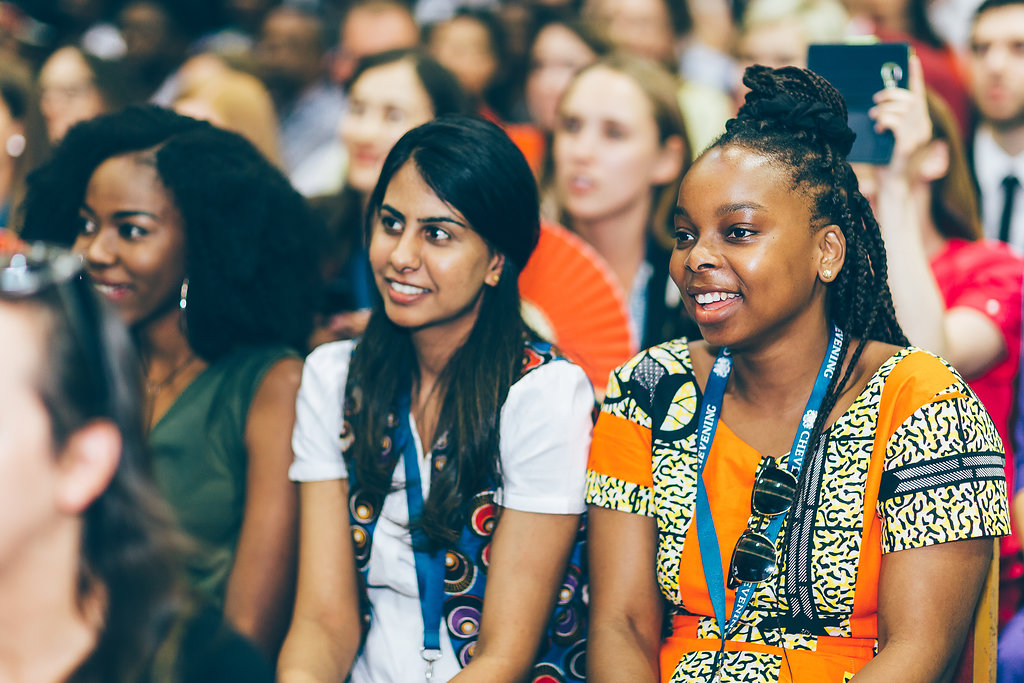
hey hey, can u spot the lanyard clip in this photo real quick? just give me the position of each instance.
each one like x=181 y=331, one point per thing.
x=429 y=656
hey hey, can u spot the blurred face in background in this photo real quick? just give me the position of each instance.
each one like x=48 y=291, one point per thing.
x=607 y=152
x=643 y=27
x=370 y=31
x=150 y=37
x=68 y=93
x=888 y=15
x=290 y=52
x=557 y=54
x=775 y=44
x=996 y=62
x=463 y=46
x=385 y=102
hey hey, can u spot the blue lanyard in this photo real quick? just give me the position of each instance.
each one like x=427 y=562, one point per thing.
x=430 y=567
x=711 y=408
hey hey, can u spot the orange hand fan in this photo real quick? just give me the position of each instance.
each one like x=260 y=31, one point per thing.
x=9 y=241
x=571 y=298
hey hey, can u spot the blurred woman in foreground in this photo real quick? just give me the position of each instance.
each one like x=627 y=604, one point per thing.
x=91 y=572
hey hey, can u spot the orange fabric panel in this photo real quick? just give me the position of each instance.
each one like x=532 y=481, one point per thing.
x=729 y=482
x=621 y=449
x=911 y=384
x=530 y=142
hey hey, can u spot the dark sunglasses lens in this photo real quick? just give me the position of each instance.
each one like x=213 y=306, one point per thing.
x=774 y=491
x=753 y=559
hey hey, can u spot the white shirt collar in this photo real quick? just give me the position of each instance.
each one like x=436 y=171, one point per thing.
x=991 y=165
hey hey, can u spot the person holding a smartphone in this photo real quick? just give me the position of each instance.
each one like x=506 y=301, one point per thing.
x=801 y=496
x=956 y=293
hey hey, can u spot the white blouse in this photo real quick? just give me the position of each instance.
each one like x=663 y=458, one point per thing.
x=544 y=440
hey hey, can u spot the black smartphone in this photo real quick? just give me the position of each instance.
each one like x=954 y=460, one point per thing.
x=858 y=71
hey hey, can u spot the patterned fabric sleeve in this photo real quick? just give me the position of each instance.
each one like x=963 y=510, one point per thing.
x=619 y=473
x=943 y=477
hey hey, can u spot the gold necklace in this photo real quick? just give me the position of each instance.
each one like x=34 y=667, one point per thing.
x=154 y=388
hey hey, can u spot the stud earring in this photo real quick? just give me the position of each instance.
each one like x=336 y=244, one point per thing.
x=183 y=300
x=826 y=274
x=496 y=279
x=15 y=145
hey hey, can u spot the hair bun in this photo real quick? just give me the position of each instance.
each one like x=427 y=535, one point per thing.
x=798 y=99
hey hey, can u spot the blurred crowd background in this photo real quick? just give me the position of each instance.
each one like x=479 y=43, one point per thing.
x=609 y=101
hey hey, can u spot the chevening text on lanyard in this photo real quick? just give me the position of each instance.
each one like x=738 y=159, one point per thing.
x=711 y=408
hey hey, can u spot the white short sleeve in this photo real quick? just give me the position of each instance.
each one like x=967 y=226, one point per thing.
x=316 y=439
x=546 y=424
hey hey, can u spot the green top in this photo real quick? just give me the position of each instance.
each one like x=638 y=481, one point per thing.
x=200 y=458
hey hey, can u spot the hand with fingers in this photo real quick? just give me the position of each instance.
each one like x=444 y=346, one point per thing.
x=905 y=113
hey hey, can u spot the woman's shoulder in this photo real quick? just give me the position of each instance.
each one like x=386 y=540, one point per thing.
x=325 y=372
x=547 y=373
x=969 y=255
x=635 y=382
x=332 y=355
x=675 y=356
x=909 y=377
x=253 y=357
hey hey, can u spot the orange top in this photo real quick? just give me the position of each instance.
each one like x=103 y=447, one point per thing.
x=914 y=461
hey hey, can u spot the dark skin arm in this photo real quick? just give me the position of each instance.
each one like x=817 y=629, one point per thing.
x=625 y=602
x=926 y=598
x=259 y=590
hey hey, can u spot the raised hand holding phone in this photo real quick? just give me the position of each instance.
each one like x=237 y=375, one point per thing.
x=858 y=71
x=904 y=113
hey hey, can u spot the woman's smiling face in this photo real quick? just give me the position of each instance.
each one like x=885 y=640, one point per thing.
x=747 y=252
x=429 y=264
x=132 y=237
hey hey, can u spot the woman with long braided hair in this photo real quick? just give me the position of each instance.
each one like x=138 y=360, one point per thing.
x=801 y=496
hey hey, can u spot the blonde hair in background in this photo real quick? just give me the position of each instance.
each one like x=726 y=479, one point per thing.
x=230 y=99
x=822 y=21
x=661 y=89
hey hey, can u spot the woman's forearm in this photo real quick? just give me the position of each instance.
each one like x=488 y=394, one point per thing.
x=492 y=669
x=920 y=308
x=904 y=664
x=314 y=654
x=620 y=654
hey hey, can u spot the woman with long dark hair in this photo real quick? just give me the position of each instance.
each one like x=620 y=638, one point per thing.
x=91 y=564
x=801 y=496
x=209 y=255
x=390 y=93
x=462 y=441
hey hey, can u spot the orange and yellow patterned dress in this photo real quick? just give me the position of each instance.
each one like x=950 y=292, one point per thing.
x=914 y=461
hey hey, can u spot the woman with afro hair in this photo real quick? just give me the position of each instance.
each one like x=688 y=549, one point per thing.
x=209 y=256
x=801 y=496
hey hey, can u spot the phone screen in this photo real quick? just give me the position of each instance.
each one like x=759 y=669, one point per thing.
x=858 y=72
